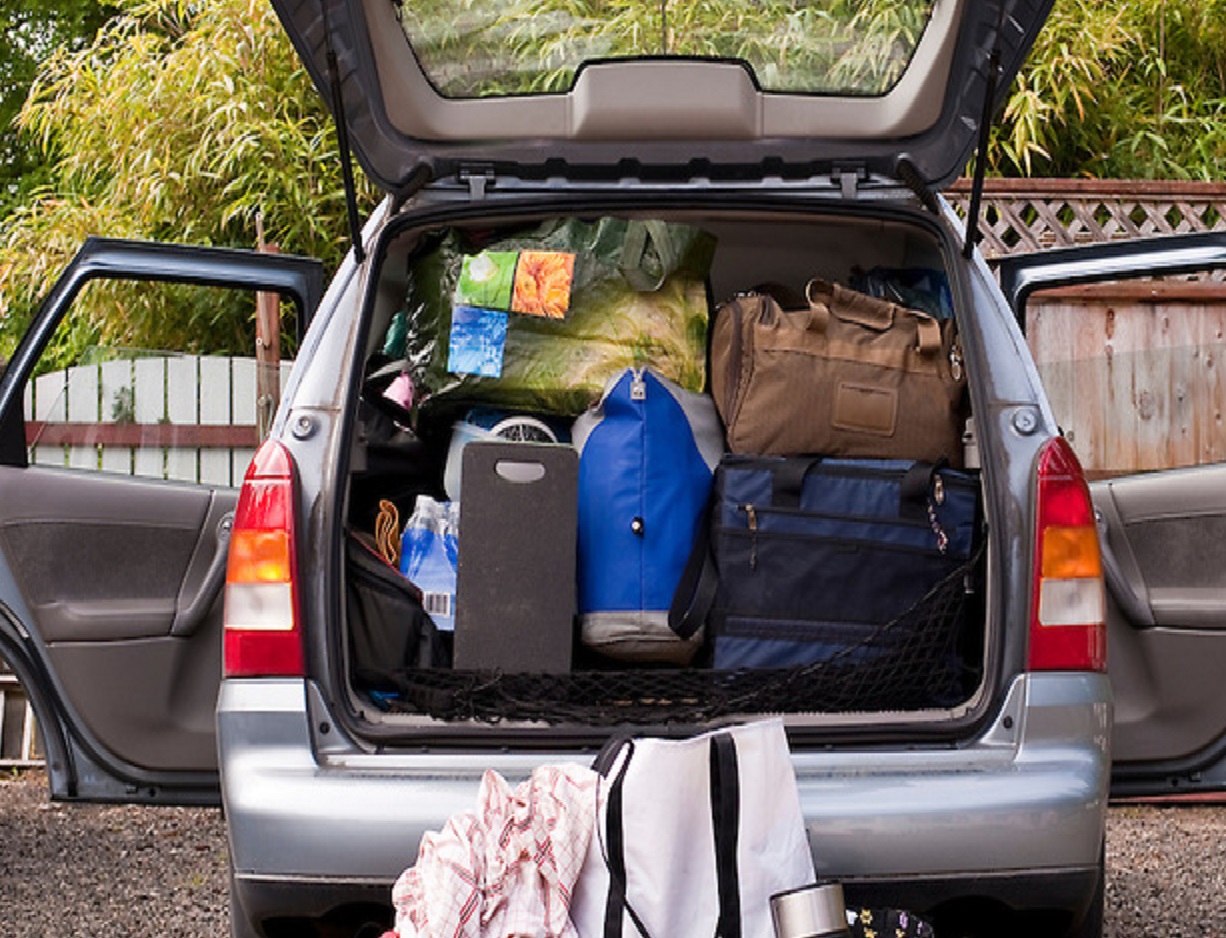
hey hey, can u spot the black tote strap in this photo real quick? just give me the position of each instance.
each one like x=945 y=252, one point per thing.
x=615 y=837
x=695 y=592
x=614 y=851
x=607 y=757
x=726 y=819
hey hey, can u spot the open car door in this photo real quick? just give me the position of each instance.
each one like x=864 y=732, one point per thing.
x=119 y=469
x=1132 y=369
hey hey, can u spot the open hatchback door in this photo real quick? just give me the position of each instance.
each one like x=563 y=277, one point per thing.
x=118 y=480
x=531 y=89
x=1140 y=363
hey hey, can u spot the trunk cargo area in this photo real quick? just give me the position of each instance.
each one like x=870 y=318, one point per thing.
x=476 y=473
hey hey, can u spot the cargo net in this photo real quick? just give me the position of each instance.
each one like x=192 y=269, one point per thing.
x=925 y=658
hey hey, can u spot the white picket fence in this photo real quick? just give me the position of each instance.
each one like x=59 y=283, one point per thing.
x=187 y=417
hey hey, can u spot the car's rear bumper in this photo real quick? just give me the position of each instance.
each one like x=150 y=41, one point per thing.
x=1016 y=816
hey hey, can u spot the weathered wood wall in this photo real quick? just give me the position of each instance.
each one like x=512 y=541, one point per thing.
x=1131 y=369
x=1134 y=373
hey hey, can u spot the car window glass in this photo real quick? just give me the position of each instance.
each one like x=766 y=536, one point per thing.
x=156 y=380
x=1133 y=371
x=492 y=47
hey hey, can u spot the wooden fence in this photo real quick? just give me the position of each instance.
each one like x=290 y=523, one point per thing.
x=1133 y=372
x=1023 y=215
x=184 y=417
x=1131 y=368
x=18 y=736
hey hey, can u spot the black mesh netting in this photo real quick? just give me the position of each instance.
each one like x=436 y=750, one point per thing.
x=927 y=657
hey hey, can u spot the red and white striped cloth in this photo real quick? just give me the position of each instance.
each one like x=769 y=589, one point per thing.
x=506 y=869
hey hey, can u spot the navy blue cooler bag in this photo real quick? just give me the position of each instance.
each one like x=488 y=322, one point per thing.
x=815 y=556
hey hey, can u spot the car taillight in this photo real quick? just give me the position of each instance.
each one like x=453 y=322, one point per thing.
x=262 y=635
x=1068 y=605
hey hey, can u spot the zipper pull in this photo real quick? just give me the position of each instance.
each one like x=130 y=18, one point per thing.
x=955 y=360
x=752 y=516
x=638 y=387
x=935 y=524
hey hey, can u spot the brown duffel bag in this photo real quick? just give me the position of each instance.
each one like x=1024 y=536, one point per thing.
x=851 y=375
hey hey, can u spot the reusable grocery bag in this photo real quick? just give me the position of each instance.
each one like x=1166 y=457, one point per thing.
x=540 y=320
x=695 y=836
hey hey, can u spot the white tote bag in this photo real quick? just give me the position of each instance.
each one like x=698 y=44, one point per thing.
x=694 y=836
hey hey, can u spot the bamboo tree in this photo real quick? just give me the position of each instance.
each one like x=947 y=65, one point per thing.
x=1127 y=89
x=179 y=122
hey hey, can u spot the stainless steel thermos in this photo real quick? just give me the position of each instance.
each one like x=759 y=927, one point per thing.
x=814 y=911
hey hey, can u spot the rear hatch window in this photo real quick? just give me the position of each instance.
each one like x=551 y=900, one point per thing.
x=493 y=49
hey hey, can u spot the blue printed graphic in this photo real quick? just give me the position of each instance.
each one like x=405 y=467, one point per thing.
x=478 y=338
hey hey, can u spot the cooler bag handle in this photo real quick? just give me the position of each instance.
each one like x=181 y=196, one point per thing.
x=788 y=480
x=697 y=588
x=916 y=488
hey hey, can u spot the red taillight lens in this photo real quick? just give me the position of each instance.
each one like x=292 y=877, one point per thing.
x=262 y=633
x=1068 y=604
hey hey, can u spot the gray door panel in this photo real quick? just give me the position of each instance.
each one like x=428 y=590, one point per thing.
x=102 y=562
x=1167 y=532
x=148 y=698
x=98 y=557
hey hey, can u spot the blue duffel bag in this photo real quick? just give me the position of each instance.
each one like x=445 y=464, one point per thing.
x=646 y=457
x=815 y=556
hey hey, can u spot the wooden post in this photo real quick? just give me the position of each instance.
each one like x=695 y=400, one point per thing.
x=267 y=344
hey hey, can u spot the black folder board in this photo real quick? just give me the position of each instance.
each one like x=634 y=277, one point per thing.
x=515 y=579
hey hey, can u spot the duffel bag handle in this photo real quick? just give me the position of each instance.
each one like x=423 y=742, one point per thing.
x=850 y=306
x=827 y=299
x=928 y=339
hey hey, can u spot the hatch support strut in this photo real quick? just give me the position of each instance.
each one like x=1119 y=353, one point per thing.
x=342 y=141
x=981 y=156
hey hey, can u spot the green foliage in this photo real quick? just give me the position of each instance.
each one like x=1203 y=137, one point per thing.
x=1125 y=89
x=472 y=48
x=32 y=30
x=180 y=122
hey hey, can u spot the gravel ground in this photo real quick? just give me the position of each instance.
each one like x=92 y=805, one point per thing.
x=95 y=870
x=105 y=870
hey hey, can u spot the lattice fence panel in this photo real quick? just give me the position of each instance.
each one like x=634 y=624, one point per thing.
x=1023 y=215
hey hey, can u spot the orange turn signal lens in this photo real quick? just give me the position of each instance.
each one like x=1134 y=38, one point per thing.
x=1070 y=552
x=259 y=557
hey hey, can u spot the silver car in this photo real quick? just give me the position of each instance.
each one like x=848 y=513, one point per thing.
x=985 y=811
